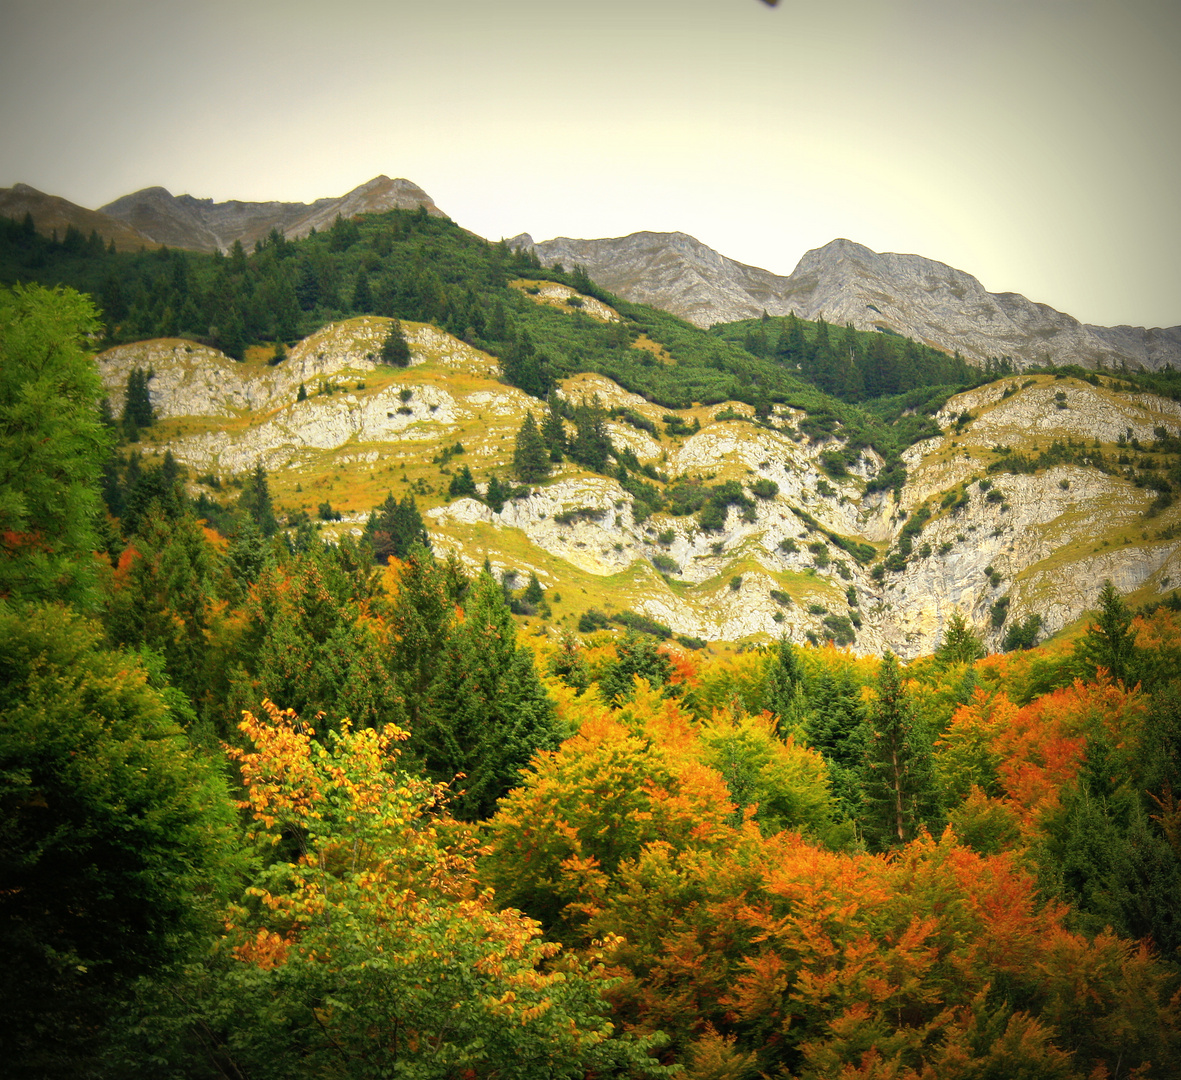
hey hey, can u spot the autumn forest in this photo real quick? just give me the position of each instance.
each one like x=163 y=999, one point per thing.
x=272 y=807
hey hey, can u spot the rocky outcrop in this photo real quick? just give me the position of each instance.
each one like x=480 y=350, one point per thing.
x=1042 y=541
x=844 y=282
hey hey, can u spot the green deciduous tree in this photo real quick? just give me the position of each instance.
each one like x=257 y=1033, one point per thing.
x=52 y=444
x=112 y=833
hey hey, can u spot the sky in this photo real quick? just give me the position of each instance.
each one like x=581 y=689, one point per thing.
x=1032 y=143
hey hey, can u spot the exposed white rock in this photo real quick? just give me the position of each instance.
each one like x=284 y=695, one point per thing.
x=1052 y=537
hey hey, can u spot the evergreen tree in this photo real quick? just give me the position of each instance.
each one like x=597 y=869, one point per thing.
x=960 y=644
x=394 y=350
x=52 y=445
x=636 y=654
x=488 y=710
x=137 y=404
x=834 y=727
x=785 y=695
x=896 y=769
x=1110 y=642
x=496 y=494
x=255 y=502
x=591 y=447
x=362 y=293
x=525 y=368
x=531 y=460
x=462 y=485
x=395 y=527
x=534 y=593
x=553 y=430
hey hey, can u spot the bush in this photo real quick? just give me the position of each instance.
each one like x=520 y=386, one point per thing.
x=665 y=564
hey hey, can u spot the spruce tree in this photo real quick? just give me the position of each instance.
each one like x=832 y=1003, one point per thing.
x=255 y=502
x=531 y=460
x=591 y=447
x=394 y=350
x=784 y=695
x=496 y=494
x=553 y=430
x=896 y=768
x=1110 y=642
x=488 y=711
x=462 y=485
x=960 y=644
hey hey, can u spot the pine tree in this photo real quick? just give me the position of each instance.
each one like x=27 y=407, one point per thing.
x=395 y=527
x=591 y=447
x=1110 y=642
x=496 y=494
x=462 y=485
x=362 y=294
x=784 y=695
x=553 y=430
x=255 y=502
x=137 y=405
x=488 y=710
x=896 y=769
x=531 y=460
x=960 y=644
x=394 y=350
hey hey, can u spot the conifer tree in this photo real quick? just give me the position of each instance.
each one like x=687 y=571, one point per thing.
x=553 y=430
x=394 y=350
x=395 y=527
x=255 y=502
x=592 y=444
x=52 y=444
x=1110 y=642
x=137 y=404
x=488 y=711
x=960 y=644
x=531 y=460
x=495 y=494
x=896 y=769
x=785 y=695
x=462 y=485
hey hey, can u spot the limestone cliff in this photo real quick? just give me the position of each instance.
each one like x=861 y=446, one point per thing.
x=1046 y=539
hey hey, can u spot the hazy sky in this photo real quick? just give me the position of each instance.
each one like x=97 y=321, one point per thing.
x=1033 y=143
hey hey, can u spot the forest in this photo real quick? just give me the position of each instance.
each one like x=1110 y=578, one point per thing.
x=273 y=807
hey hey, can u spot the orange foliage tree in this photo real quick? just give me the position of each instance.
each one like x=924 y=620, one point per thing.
x=363 y=947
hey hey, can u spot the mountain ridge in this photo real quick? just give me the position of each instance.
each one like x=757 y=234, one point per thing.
x=846 y=282
x=841 y=282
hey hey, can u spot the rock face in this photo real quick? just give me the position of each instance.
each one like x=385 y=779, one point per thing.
x=845 y=282
x=203 y=225
x=1045 y=540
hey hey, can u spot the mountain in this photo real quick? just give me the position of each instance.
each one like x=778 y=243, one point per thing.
x=52 y=213
x=844 y=282
x=202 y=225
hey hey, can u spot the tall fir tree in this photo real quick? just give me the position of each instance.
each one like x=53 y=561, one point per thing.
x=531 y=460
x=896 y=768
x=488 y=711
